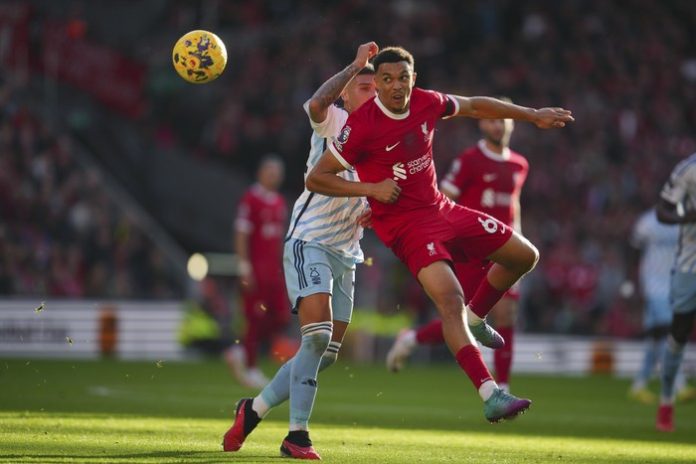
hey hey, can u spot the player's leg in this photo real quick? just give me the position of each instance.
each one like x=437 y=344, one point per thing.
x=441 y=285
x=309 y=284
x=469 y=275
x=341 y=306
x=480 y=236
x=683 y=300
x=278 y=390
x=504 y=314
x=657 y=327
x=409 y=339
x=510 y=262
x=242 y=355
x=682 y=326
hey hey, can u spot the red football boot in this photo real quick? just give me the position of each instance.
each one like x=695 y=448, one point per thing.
x=245 y=420
x=304 y=450
x=665 y=418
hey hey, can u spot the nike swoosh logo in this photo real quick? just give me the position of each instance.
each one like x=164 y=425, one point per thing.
x=391 y=147
x=489 y=177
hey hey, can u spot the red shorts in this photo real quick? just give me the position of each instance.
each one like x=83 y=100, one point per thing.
x=470 y=275
x=455 y=234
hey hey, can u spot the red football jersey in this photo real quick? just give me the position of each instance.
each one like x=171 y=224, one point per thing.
x=487 y=181
x=380 y=144
x=263 y=215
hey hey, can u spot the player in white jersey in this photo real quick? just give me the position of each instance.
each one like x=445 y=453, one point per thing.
x=677 y=205
x=321 y=250
x=657 y=243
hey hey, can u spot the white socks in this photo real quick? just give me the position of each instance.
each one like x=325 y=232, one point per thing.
x=472 y=318
x=487 y=389
x=260 y=406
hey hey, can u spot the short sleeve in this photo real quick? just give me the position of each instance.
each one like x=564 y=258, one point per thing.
x=522 y=175
x=446 y=105
x=329 y=127
x=677 y=187
x=244 y=222
x=456 y=179
x=349 y=147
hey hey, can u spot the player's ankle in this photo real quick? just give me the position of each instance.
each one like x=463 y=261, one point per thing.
x=299 y=438
x=472 y=318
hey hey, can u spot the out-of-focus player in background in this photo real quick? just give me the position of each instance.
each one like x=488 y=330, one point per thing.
x=321 y=250
x=487 y=177
x=677 y=205
x=657 y=244
x=258 y=242
x=389 y=141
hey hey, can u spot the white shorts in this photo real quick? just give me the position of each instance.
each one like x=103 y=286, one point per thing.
x=310 y=268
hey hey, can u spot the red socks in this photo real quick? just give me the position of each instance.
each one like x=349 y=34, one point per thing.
x=502 y=357
x=485 y=298
x=430 y=333
x=469 y=359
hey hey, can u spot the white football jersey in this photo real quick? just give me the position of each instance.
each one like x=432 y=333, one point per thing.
x=680 y=190
x=658 y=245
x=330 y=221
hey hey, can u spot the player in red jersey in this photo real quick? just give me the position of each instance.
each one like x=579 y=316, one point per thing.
x=388 y=141
x=487 y=177
x=258 y=242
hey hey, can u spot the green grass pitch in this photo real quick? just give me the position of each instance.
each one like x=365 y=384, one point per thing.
x=147 y=412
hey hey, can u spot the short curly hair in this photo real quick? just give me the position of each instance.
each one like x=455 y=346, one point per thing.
x=392 y=55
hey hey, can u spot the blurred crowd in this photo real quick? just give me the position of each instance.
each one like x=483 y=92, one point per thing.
x=61 y=235
x=627 y=70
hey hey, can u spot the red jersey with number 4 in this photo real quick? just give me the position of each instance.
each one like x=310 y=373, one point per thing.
x=263 y=215
x=488 y=181
x=380 y=144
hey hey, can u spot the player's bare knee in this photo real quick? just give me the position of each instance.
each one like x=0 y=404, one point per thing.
x=528 y=258
x=451 y=305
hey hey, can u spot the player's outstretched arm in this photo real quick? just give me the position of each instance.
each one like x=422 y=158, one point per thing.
x=323 y=179
x=667 y=213
x=330 y=90
x=492 y=108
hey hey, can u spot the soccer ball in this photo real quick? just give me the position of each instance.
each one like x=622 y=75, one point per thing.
x=199 y=57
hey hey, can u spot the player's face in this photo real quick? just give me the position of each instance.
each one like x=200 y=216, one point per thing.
x=271 y=175
x=394 y=84
x=358 y=91
x=497 y=131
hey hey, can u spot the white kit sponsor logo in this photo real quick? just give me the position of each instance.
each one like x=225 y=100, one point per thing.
x=399 y=171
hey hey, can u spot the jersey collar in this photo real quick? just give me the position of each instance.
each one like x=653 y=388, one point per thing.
x=504 y=156
x=388 y=113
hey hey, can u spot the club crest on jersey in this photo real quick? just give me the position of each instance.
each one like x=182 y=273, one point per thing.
x=343 y=136
x=431 y=248
x=426 y=132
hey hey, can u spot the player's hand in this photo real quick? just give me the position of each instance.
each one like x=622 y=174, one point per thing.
x=247 y=283
x=365 y=52
x=365 y=219
x=549 y=118
x=386 y=191
x=246 y=277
